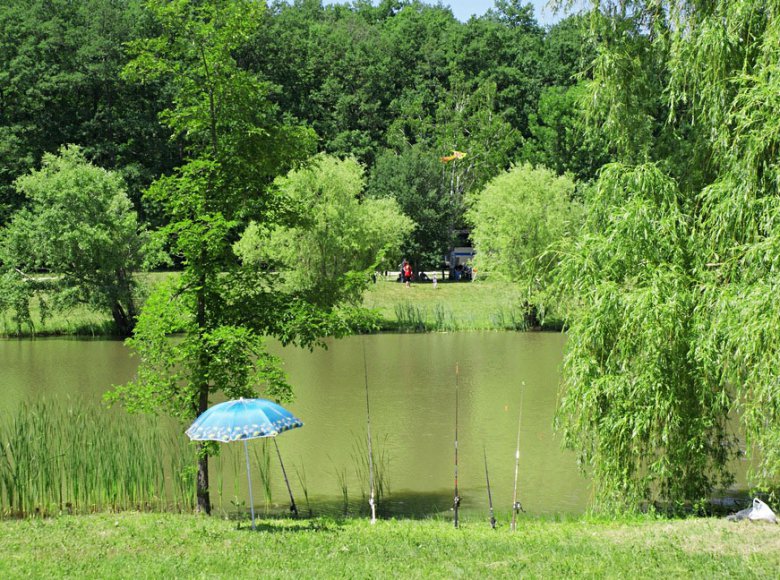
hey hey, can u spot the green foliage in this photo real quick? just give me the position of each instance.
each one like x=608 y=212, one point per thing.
x=414 y=179
x=672 y=343
x=517 y=221
x=366 y=79
x=59 y=69
x=80 y=228
x=335 y=240
x=561 y=139
x=638 y=407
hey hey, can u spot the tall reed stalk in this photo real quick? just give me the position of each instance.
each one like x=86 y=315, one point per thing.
x=263 y=460
x=343 y=481
x=410 y=317
x=301 y=475
x=381 y=462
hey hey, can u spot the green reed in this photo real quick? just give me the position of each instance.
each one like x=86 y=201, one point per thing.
x=343 y=482
x=508 y=319
x=381 y=462
x=263 y=460
x=79 y=457
x=300 y=473
x=444 y=319
x=184 y=472
x=410 y=317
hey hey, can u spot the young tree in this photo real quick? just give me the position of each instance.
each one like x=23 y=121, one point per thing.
x=79 y=227
x=237 y=143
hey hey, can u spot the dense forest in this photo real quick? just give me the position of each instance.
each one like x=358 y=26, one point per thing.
x=621 y=165
x=398 y=83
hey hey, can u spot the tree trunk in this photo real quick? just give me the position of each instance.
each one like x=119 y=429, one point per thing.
x=125 y=323
x=124 y=317
x=204 y=499
x=531 y=314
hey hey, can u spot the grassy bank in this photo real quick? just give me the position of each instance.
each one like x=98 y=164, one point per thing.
x=80 y=321
x=167 y=545
x=479 y=305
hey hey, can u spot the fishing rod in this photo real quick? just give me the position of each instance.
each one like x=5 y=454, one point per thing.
x=293 y=507
x=516 y=507
x=490 y=496
x=371 y=501
x=456 y=500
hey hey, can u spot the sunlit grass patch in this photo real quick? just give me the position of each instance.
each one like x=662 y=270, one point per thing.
x=450 y=306
x=170 y=545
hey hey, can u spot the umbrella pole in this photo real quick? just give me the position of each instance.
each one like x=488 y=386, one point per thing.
x=249 y=480
x=293 y=507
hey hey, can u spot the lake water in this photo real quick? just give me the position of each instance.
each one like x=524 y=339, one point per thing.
x=411 y=378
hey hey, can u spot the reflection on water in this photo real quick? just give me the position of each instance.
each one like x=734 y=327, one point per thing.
x=412 y=389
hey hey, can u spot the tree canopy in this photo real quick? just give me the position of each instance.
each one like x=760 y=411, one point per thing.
x=370 y=81
x=673 y=332
x=334 y=241
x=202 y=121
x=80 y=231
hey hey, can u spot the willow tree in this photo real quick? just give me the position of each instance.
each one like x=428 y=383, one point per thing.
x=674 y=315
x=236 y=143
x=337 y=240
x=517 y=220
x=78 y=227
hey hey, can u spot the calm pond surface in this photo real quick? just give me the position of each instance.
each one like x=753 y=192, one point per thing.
x=411 y=381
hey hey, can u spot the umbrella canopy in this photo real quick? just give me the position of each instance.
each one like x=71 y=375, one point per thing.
x=242 y=419
x=245 y=419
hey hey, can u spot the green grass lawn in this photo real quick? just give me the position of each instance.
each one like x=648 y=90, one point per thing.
x=133 y=545
x=479 y=305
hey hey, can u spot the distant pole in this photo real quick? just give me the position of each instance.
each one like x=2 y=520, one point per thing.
x=456 y=500
x=516 y=507
x=371 y=501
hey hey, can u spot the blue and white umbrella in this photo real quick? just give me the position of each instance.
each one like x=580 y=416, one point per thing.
x=245 y=419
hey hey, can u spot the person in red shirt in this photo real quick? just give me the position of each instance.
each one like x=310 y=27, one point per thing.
x=407 y=273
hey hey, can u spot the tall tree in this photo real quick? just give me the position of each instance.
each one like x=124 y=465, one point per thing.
x=236 y=143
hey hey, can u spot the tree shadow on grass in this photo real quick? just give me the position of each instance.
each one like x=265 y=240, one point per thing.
x=271 y=526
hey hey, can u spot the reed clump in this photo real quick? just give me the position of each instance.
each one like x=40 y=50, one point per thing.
x=78 y=457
